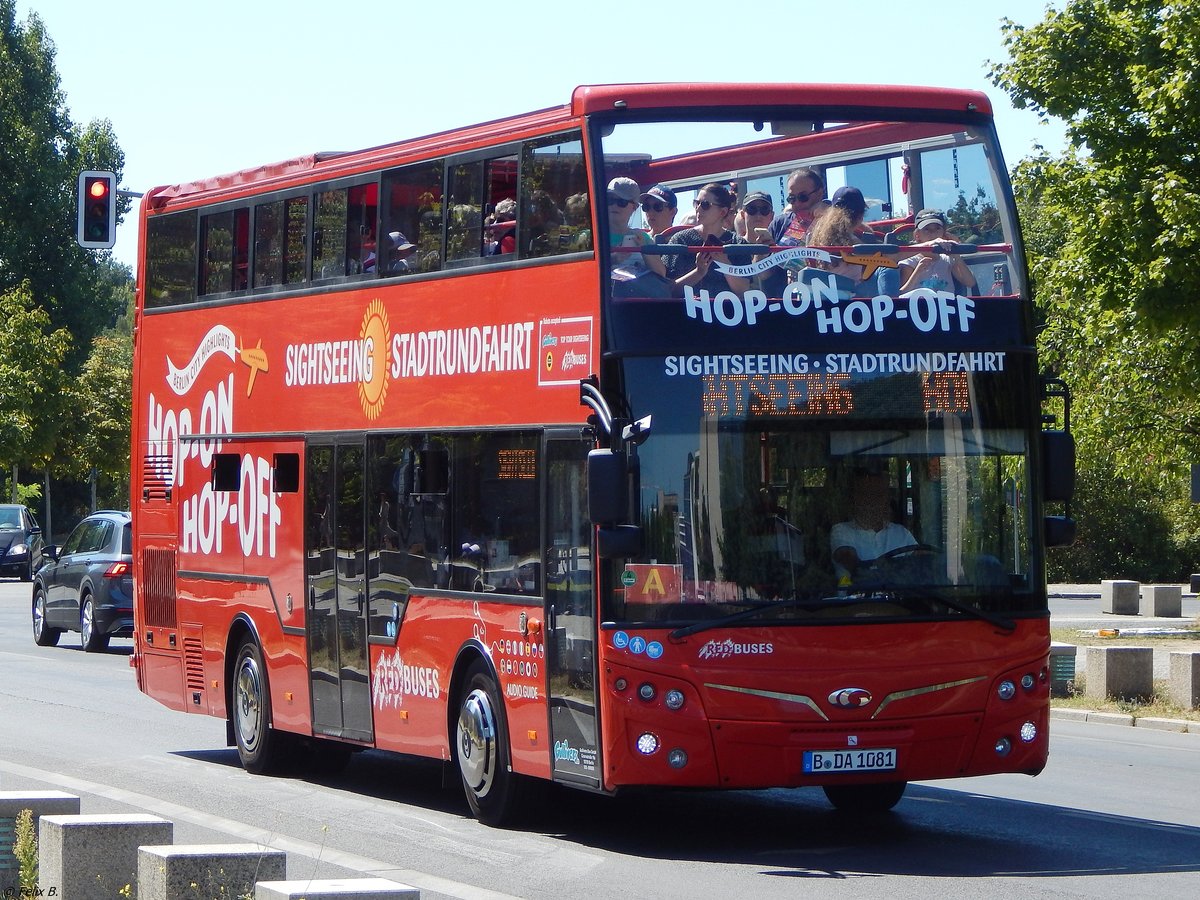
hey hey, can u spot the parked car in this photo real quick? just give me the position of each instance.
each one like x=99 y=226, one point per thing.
x=20 y=542
x=88 y=584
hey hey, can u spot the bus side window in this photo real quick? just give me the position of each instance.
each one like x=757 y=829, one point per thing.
x=554 y=210
x=411 y=207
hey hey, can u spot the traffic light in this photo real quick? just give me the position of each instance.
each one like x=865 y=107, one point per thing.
x=97 y=227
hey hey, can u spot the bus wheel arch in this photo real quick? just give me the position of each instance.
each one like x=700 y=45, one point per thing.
x=480 y=746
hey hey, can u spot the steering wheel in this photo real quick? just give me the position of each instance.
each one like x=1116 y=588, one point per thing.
x=907 y=550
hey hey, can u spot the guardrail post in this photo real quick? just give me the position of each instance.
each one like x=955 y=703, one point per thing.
x=1119 y=597
x=1164 y=600
x=336 y=889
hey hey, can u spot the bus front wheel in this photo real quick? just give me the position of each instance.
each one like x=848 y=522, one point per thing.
x=865 y=798
x=260 y=747
x=494 y=792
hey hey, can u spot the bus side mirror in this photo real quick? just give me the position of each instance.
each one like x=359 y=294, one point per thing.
x=1059 y=531
x=613 y=479
x=1058 y=466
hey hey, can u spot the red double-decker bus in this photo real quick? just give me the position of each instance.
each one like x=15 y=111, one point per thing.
x=438 y=450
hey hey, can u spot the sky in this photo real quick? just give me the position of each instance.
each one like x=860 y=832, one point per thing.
x=194 y=90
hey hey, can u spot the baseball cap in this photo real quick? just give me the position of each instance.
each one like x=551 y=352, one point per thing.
x=624 y=189
x=850 y=198
x=399 y=241
x=930 y=217
x=758 y=195
x=661 y=192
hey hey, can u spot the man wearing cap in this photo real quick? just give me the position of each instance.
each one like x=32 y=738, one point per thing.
x=936 y=271
x=659 y=206
x=401 y=250
x=754 y=218
x=628 y=263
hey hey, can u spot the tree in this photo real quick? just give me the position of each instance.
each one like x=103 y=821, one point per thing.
x=41 y=155
x=1112 y=231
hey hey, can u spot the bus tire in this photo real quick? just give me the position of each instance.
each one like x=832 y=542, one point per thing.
x=260 y=747
x=865 y=798
x=494 y=792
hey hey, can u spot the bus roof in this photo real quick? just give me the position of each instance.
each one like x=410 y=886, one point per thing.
x=585 y=100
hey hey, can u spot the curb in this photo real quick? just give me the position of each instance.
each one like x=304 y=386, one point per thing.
x=1181 y=726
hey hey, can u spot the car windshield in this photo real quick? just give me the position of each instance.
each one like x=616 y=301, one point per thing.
x=10 y=518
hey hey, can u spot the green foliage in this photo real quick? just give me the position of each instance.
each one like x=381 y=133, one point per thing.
x=25 y=851
x=1112 y=233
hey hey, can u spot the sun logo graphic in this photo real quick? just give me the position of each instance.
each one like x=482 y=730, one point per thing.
x=375 y=336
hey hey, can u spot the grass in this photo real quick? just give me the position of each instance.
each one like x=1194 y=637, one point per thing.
x=1159 y=705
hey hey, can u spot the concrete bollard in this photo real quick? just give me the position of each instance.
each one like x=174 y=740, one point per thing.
x=1124 y=672
x=188 y=871
x=1119 y=598
x=1163 y=600
x=336 y=889
x=1185 y=679
x=94 y=855
x=40 y=803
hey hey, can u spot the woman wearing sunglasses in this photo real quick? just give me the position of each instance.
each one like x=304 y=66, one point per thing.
x=712 y=207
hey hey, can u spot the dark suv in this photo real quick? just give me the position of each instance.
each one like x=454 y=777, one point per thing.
x=88 y=585
x=20 y=541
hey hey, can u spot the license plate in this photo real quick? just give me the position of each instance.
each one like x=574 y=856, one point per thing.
x=878 y=759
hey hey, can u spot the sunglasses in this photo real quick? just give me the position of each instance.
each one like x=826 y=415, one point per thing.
x=617 y=201
x=705 y=204
x=800 y=198
x=653 y=207
x=758 y=210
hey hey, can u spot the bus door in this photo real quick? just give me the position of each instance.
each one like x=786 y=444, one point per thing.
x=571 y=614
x=336 y=572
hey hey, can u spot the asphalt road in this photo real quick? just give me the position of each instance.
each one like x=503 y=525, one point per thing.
x=1116 y=813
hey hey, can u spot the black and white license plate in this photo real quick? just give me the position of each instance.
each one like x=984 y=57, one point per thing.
x=877 y=759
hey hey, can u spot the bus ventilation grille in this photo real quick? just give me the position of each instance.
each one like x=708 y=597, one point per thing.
x=193 y=664
x=158 y=587
x=157 y=475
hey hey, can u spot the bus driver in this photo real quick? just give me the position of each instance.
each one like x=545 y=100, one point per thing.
x=870 y=532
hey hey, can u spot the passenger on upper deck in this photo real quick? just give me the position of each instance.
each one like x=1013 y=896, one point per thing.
x=628 y=265
x=659 y=206
x=806 y=195
x=755 y=217
x=936 y=271
x=842 y=226
x=712 y=204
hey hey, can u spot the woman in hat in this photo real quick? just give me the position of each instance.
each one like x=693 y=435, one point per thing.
x=933 y=270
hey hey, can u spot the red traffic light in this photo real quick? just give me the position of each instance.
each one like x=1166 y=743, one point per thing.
x=96 y=227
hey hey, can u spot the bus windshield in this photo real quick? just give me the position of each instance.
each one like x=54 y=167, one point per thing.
x=752 y=486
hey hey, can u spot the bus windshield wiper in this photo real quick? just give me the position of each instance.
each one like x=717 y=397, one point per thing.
x=738 y=616
x=1002 y=622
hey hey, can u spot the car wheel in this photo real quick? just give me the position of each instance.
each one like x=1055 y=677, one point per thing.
x=90 y=639
x=494 y=792
x=260 y=747
x=43 y=634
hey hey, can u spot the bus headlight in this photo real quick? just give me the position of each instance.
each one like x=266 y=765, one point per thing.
x=1029 y=732
x=647 y=744
x=1003 y=745
x=673 y=699
x=1007 y=690
x=677 y=758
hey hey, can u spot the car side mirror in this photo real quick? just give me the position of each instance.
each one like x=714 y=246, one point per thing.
x=51 y=551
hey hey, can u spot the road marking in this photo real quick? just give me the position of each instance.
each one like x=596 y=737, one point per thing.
x=176 y=812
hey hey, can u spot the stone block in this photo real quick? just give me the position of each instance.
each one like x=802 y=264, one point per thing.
x=94 y=855
x=336 y=889
x=1120 y=672
x=189 y=871
x=1162 y=600
x=1185 y=679
x=1120 y=598
x=40 y=803
x=1062 y=668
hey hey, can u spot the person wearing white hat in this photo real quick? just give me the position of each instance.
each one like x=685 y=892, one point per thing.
x=623 y=199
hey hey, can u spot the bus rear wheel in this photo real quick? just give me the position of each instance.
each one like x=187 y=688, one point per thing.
x=494 y=792
x=260 y=748
x=865 y=798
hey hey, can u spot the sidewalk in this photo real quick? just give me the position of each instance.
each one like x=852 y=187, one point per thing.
x=1079 y=607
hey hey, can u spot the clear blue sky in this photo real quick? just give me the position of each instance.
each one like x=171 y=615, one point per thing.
x=202 y=89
